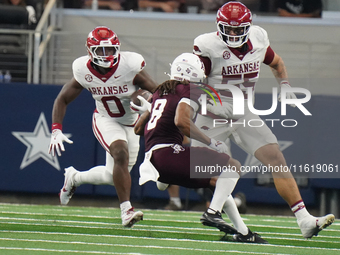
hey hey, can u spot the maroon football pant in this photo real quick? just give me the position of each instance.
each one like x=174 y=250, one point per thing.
x=174 y=168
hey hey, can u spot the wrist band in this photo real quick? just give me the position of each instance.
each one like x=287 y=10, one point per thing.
x=57 y=126
x=284 y=82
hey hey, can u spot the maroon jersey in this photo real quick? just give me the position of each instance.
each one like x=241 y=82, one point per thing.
x=161 y=128
x=176 y=163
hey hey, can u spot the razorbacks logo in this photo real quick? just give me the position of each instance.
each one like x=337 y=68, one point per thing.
x=226 y=54
x=234 y=23
x=88 y=78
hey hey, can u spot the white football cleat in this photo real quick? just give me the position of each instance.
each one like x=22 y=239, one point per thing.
x=69 y=187
x=311 y=226
x=130 y=217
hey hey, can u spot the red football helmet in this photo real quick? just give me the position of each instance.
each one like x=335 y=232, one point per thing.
x=233 y=22
x=103 y=47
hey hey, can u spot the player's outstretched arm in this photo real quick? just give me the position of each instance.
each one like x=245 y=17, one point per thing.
x=279 y=69
x=183 y=120
x=67 y=94
x=280 y=72
x=139 y=127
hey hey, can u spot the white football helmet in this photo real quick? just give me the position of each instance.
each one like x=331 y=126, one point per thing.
x=187 y=66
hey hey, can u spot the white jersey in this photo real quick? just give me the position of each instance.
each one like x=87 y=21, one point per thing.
x=111 y=91
x=229 y=66
x=241 y=69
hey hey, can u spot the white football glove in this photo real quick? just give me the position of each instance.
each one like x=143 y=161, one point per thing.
x=145 y=105
x=56 y=144
x=228 y=109
x=216 y=109
x=218 y=146
x=289 y=95
x=225 y=110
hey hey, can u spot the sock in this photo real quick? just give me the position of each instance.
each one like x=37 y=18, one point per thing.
x=299 y=209
x=231 y=210
x=97 y=175
x=177 y=201
x=225 y=184
x=125 y=206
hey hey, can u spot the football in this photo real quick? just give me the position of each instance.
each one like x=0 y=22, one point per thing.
x=144 y=93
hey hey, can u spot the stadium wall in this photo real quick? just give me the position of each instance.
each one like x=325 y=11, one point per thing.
x=308 y=46
x=27 y=167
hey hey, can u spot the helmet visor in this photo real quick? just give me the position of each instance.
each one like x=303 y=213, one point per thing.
x=105 y=56
x=104 y=51
x=234 y=36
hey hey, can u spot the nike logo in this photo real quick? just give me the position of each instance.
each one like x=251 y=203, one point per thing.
x=116 y=77
x=252 y=51
x=64 y=190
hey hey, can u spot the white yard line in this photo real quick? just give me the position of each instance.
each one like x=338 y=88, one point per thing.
x=173 y=239
x=134 y=246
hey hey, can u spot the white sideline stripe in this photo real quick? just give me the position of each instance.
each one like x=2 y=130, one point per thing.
x=168 y=231
x=168 y=239
x=73 y=251
x=151 y=213
x=109 y=224
x=62 y=214
x=283 y=227
x=96 y=217
x=216 y=234
x=292 y=220
x=103 y=223
x=107 y=217
x=111 y=209
x=138 y=227
x=131 y=246
x=291 y=234
x=297 y=239
x=77 y=226
x=69 y=208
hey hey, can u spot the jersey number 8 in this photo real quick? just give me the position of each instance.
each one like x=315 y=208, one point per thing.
x=157 y=111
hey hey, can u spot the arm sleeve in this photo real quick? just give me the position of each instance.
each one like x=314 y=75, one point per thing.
x=269 y=56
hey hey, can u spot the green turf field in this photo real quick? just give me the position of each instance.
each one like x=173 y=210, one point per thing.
x=45 y=229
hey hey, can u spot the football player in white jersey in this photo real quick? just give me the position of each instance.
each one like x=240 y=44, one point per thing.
x=233 y=55
x=111 y=76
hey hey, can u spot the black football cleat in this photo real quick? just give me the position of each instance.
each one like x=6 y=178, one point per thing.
x=215 y=220
x=249 y=238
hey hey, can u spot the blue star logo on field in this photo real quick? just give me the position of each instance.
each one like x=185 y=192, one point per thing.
x=37 y=143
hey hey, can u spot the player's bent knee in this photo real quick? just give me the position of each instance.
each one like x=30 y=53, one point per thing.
x=119 y=152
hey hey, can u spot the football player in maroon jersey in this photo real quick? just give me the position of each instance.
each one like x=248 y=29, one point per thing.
x=165 y=123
